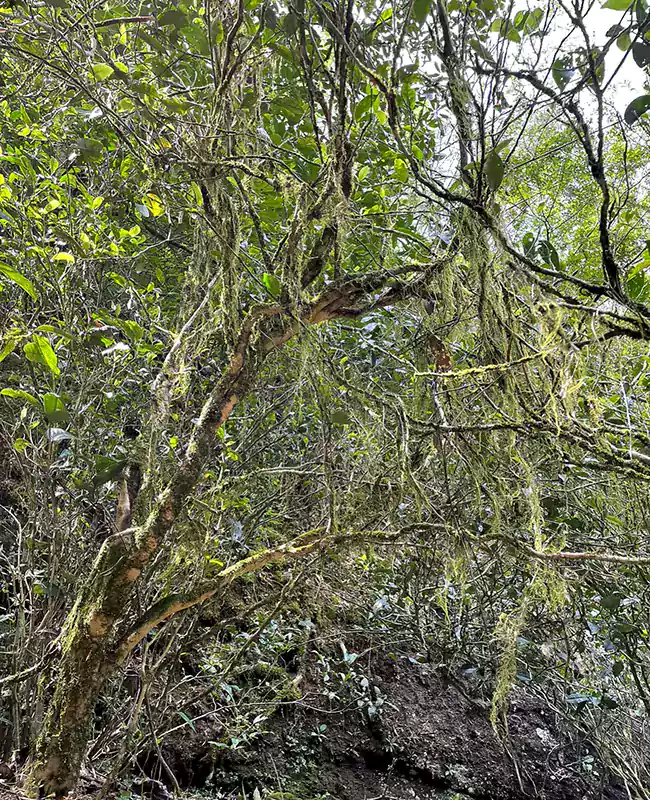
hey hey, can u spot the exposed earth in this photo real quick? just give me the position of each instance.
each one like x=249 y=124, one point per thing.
x=430 y=739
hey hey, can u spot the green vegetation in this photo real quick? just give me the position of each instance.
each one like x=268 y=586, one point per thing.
x=320 y=316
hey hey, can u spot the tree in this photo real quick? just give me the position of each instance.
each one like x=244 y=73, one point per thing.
x=189 y=191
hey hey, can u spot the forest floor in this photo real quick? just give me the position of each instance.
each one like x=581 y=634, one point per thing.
x=396 y=729
x=431 y=740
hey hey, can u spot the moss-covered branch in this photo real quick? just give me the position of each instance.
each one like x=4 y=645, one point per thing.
x=299 y=547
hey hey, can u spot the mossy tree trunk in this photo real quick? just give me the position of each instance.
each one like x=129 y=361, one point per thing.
x=61 y=747
x=100 y=631
x=91 y=641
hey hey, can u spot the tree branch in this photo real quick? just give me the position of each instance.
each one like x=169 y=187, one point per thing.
x=299 y=547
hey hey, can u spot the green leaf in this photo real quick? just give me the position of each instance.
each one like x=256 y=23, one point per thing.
x=341 y=418
x=270 y=17
x=52 y=205
x=637 y=108
x=624 y=42
x=548 y=254
x=421 y=10
x=106 y=469
x=363 y=172
x=173 y=17
x=40 y=351
x=54 y=408
x=133 y=330
x=528 y=242
x=506 y=29
x=562 y=72
x=638 y=285
x=291 y=23
x=611 y=601
x=154 y=204
x=363 y=107
x=19 y=279
x=272 y=284
x=101 y=71
x=186 y=719
x=494 y=170
x=641 y=53
x=126 y=104
x=67 y=257
x=19 y=394
x=196 y=193
x=7 y=348
x=618 y=5
x=528 y=21
x=401 y=170
x=20 y=445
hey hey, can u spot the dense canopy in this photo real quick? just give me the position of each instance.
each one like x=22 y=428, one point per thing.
x=355 y=289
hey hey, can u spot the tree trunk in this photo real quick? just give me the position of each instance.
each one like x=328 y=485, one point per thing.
x=88 y=657
x=91 y=647
x=67 y=728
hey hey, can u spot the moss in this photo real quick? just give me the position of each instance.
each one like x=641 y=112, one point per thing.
x=307 y=784
x=292 y=796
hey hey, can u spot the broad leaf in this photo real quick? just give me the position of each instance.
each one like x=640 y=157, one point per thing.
x=624 y=42
x=494 y=170
x=562 y=72
x=102 y=72
x=528 y=242
x=641 y=53
x=272 y=283
x=7 y=348
x=106 y=469
x=401 y=170
x=173 y=17
x=19 y=279
x=637 y=108
x=54 y=408
x=421 y=10
x=20 y=394
x=548 y=254
x=39 y=351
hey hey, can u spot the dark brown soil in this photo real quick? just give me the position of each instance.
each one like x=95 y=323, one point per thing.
x=430 y=741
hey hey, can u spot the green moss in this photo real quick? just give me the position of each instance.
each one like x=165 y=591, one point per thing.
x=292 y=796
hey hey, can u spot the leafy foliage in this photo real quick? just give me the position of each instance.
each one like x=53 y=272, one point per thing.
x=328 y=270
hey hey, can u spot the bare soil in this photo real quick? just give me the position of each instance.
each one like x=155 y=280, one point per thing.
x=431 y=740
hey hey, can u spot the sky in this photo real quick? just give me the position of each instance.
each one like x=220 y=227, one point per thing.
x=628 y=83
